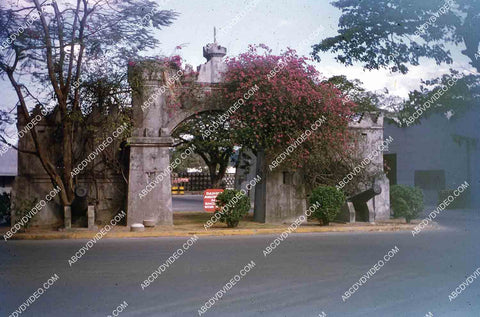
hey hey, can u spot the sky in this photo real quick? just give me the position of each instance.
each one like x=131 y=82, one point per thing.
x=278 y=24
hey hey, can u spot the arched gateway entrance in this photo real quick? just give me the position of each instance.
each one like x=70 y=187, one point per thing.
x=151 y=138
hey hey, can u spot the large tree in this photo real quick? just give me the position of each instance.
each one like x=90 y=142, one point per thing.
x=278 y=104
x=287 y=98
x=216 y=148
x=53 y=54
x=396 y=34
x=353 y=91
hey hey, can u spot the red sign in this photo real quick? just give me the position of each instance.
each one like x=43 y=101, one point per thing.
x=210 y=198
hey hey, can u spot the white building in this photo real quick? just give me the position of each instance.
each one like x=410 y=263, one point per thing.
x=8 y=170
x=440 y=153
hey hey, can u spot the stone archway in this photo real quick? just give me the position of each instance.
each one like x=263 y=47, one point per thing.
x=151 y=137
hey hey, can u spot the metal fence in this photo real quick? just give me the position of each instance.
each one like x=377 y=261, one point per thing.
x=200 y=181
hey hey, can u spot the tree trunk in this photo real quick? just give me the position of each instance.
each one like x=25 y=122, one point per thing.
x=259 y=209
x=215 y=178
x=67 y=160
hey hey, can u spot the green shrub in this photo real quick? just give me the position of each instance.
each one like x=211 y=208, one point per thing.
x=232 y=207
x=330 y=200
x=5 y=209
x=406 y=201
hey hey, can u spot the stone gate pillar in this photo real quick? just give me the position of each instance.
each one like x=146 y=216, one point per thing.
x=149 y=188
x=149 y=194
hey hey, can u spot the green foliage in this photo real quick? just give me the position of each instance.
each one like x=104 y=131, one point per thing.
x=353 y=90
x=406 y=201
x=459 y=95
x=329 y=201
x=326 y=165
x=212 y=141
x=191 y=161
x=79 y=51
x=5 y=208
x=396 y=34
x=22 y=207
x=273 y=116
x=233 y=206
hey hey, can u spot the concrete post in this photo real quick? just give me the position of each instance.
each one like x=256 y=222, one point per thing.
x=382 y=201
x=67 y=216
x=91 y=217
x=371 y=210
x=351 y=211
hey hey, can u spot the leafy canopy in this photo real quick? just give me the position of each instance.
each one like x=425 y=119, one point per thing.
x=396 y=33
x=289 y=99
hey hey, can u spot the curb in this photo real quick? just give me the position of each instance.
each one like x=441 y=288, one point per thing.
x=218 y=232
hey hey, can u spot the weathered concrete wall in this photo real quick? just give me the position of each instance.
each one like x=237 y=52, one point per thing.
x=279 y=197
x=285 y=196
x=30 y=187
x=381 y=203
x=245 y=172
x=284 y=202
x=368 y=129
x=107 y=193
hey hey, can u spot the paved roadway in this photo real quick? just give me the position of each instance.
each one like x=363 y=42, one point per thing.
x=305 y=275
x=187 y=202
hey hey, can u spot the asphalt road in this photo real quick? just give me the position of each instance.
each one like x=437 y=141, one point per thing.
x=187 y=202
x=304 y=276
